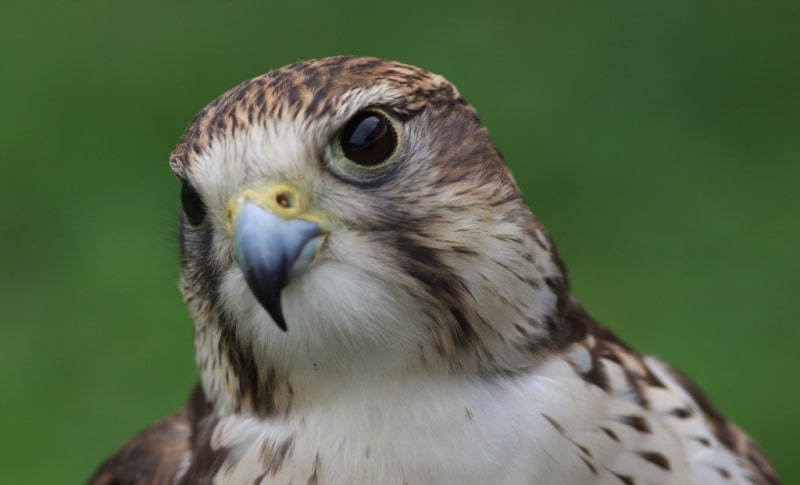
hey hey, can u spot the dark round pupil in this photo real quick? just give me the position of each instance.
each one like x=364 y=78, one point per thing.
x=368 y=139
x=193 y=205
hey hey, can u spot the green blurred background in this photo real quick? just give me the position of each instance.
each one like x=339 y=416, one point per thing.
x=658 y=141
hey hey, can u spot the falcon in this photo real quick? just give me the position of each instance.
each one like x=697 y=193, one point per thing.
x=373 y=302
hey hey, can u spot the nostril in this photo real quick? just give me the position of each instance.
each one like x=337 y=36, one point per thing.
x=285 y=200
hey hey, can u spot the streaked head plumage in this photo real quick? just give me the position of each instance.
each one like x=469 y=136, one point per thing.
x=413 y=242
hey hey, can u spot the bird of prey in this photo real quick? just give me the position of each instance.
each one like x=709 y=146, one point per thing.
x=373 y=302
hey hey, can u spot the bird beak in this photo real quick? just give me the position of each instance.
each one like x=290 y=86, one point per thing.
x=275 y=238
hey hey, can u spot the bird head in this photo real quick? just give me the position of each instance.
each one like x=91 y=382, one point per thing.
x=352 y=215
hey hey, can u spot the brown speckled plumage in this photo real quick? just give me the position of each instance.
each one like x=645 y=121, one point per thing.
x=432 y=340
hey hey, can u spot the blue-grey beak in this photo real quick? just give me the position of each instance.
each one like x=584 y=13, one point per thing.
x=271 y=251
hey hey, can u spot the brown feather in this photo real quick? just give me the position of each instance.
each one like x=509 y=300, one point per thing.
x=178 y=449
x=154 y=455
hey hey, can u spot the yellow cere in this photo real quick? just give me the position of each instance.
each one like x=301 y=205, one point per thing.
x=284 y=199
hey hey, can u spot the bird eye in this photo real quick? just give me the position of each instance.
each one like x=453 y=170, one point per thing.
x=193 y=205
x=368 y=139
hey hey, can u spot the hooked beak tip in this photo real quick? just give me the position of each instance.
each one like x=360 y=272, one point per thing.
x=271 y=251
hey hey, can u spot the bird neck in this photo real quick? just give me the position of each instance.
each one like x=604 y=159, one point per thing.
x=240 y=379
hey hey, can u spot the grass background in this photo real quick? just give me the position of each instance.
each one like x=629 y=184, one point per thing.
x=658 y=141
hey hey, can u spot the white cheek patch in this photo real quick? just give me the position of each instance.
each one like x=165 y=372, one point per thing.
x=354 y=304
x=334 y=312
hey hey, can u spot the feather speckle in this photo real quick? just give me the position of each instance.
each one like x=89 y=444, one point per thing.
x=432 y=338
